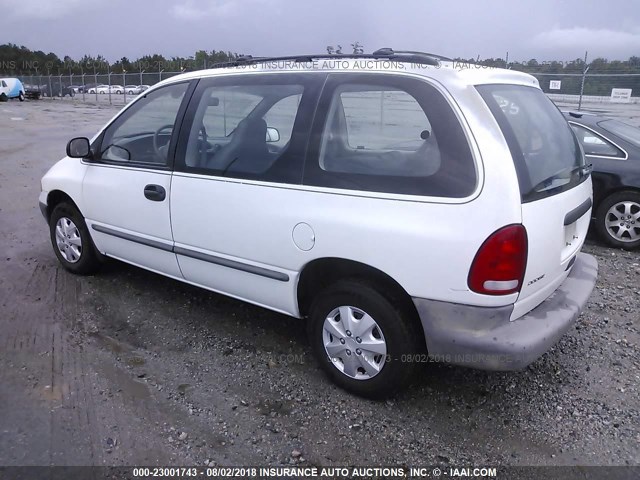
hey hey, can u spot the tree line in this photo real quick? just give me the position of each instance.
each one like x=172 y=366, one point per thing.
x=19 y=60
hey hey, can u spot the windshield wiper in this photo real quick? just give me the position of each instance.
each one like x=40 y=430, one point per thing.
x=564 y=173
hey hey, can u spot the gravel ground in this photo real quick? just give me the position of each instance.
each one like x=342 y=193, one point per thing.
x=128 y=367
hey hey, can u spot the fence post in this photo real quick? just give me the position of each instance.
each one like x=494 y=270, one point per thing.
x=584 y=74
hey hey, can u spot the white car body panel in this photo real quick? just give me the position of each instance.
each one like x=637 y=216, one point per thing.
x=113 y=197
x=217 y=232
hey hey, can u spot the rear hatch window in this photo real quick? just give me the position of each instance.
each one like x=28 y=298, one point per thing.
x=547 y=155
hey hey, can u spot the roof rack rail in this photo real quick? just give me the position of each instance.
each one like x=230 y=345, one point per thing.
x=383 y=53
x=390 y=52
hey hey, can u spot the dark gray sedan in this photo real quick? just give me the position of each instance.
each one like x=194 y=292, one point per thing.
x=613 y=147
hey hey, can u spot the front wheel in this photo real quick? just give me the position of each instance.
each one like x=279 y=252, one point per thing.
x=71 y=241
x=618 y=220
x=21 y=97
x=363 y=340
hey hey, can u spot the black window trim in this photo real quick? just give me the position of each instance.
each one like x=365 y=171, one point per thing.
x=96 y=146
x=312 y=82
x=603 y=137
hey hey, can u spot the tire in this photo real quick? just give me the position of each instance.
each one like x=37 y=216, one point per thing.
x=71 y=241
x=21 y=97
x=130 y=92
x=392 y=334
x=118 y=92
x=102 y=92
x=618 y=220
x=3 y=98
x=72 y=94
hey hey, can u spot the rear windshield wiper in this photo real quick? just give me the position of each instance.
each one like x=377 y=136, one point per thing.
x=564 y=173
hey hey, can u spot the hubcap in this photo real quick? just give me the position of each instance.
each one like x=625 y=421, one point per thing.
x=354 y=342
x=623 y=221
x=68 y=240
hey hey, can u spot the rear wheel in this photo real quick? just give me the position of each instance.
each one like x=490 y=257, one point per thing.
x=363 y=339
x=618 y=220
x=71 y=241
x=21 y=97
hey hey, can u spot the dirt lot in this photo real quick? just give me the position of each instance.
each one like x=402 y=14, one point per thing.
x=129 y=368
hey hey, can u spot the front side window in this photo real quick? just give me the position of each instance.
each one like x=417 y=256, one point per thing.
x=390 y=134
x=594 y=144
x=143 y=132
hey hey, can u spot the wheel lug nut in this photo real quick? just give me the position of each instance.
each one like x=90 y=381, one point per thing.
x=348 y=333
x=342 y=341
x=358 y=339
x=358 y=351
x=348 y=352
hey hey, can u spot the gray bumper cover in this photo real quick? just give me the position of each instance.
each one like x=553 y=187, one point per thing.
x=484 y=338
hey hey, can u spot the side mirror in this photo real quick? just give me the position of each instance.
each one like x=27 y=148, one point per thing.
x=79 y=148
x=273 y=135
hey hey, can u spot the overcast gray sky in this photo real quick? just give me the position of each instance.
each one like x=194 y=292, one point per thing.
x=541 y=29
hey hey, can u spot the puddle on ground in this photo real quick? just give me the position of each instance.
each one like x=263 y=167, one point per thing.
x=121 y=383
x=135 y=361
x=111 y=343
x=281 y=407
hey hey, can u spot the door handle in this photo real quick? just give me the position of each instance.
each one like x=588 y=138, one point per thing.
x=155 y=193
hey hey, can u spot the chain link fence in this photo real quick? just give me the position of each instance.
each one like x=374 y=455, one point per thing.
x=576 y=89
x=565 y=89
x=114 y=88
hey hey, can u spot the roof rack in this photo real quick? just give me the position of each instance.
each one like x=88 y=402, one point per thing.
x=382 y=53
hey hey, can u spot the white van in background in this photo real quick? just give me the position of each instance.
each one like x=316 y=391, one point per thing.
x=11 y=88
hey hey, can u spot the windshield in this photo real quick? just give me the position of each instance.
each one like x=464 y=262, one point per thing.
x=622 y=130
x=546 y=153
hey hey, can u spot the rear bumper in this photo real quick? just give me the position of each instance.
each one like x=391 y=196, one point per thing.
x=485 y=338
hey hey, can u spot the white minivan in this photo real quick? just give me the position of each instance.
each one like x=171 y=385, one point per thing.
x=11 y=88
x=412 y=209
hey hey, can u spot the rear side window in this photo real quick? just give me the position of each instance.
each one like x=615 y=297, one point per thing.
x=547 y=156
x=253 y=127
x=594 y=144
x=390 y=134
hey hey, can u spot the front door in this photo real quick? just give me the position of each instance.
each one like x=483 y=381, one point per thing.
x=127 y=187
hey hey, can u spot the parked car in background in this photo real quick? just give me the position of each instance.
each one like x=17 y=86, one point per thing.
x=613 y=147
x=133 y=89
x=401 y=209
x=11 y=88
x=87 y=87
x=32 y=92
x=144 y=88
x=76 y=88
x=56 y=90
x=105 y=89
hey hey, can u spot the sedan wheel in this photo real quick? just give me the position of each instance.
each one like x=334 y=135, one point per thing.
x=68 y=240
x=618 y=220
x=354 y=342
x=71 y=240
x=365 y=340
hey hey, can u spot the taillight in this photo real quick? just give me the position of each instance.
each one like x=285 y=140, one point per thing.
x=499 y=265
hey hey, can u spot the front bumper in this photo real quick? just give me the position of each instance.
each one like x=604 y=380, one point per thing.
x=42 y=203
x=485 y=338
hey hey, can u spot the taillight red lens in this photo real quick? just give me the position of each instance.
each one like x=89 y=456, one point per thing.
x=499 y=265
